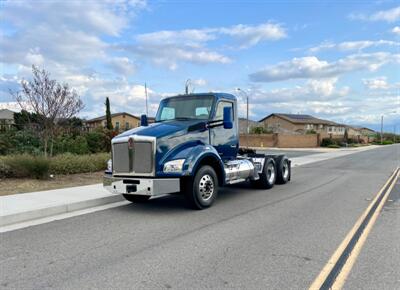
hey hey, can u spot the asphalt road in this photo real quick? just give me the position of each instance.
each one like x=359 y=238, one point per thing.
x=254 y=239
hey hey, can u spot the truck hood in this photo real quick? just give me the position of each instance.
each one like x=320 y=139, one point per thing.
x=166 y=128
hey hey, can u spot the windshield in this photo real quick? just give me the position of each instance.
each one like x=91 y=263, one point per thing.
x=196 y=107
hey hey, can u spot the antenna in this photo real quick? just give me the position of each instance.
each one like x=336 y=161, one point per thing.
x=145 y=91
x=187 y=84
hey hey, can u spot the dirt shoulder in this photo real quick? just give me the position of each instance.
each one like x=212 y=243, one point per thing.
x=23 y=185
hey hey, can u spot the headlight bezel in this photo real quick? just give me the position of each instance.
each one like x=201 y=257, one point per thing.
x=174 y=166
x=109 y=165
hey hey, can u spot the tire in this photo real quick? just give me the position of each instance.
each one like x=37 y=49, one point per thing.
x=268 y=175
x=283 y=170
x=136 y=198
x=202 y=190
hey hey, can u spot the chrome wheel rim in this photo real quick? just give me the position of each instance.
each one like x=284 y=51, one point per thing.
x=271 y=173
x=206 y=187
x=285 y=170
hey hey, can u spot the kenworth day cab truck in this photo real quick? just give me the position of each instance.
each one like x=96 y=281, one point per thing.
x=192 y=149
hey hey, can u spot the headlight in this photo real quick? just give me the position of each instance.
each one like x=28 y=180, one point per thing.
x=174 y=165
x=109 y=165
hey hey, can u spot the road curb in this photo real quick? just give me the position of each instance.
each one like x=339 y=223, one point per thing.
x=14 y=218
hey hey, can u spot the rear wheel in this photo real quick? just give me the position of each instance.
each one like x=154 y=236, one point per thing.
x=283 y=170
x=268 y=175
x=201 y=191
x=136 y=198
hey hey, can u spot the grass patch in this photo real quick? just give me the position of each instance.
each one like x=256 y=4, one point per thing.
x=39 y=167
x=24 y=185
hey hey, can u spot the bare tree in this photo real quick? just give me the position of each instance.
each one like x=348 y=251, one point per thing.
x=50 y=100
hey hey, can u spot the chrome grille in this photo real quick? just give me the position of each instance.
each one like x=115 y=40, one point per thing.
x=143 y=157
x=136 y=161
x=120 y=158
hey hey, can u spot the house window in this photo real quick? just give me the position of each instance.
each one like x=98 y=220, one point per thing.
x=126 y=125
x=117 y=125
x=321 y=126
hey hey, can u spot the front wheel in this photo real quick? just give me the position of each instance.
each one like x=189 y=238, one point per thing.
x=201 y=191
x=136 y=198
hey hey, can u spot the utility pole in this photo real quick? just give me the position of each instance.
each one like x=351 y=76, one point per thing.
x=382 y=129
x=145 y=91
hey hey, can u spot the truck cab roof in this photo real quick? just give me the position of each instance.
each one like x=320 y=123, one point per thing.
x=216 y=95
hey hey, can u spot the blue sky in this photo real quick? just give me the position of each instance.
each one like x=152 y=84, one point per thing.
x=334 y=60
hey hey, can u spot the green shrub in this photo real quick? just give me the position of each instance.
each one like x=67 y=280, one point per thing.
x=259 y=130
x=387 y=142
x=333 y=146
x=25 y=166
x=326 y=142
x=71 y=163
x=5 y=169
x=14 y=142
x=72 y=144
x=96 y=141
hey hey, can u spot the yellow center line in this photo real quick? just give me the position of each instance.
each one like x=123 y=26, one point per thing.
x=340 y=279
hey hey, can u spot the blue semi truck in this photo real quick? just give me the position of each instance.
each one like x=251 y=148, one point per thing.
x=192 y=149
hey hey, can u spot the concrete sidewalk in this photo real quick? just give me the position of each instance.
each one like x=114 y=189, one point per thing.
x=18 y=208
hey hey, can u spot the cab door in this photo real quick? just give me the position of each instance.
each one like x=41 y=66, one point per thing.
x=225 y=141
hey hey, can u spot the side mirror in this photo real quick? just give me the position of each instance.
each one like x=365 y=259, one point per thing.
x=143 y=120
x=228 y=120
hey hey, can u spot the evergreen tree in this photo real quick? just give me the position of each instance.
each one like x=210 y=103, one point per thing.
x=109 y=125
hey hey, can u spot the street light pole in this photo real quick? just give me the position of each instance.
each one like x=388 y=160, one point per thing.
x=382 y=129
x=147 y=107
x=247 y=116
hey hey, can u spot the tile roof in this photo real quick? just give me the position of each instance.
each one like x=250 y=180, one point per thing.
x=112 y=115
x=301 y=119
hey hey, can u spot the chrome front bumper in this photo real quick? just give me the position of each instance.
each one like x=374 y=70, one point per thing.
x=141 y=186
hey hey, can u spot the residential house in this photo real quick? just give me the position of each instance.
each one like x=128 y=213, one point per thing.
x=6 y=119
x=367 y=132
x=121 y=121
x=300 y=124
x=353 y=132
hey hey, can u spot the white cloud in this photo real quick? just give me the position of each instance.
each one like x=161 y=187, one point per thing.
x=199 y=82
x=381 y=84
x=171 y=55
x=390 y=15
x=353 y=45
x=122 y=65
x=377 y=83
x=169 y=47
x=68 y=33
x=396 y=30
x=312 y=67
x=252 y=35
